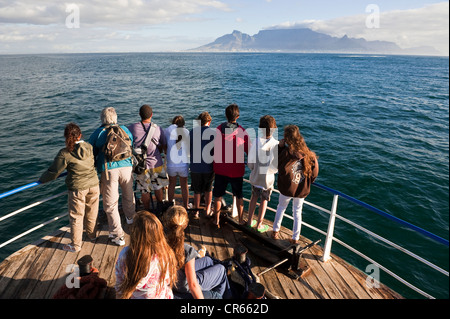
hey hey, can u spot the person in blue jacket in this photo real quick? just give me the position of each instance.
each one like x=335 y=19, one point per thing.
x=119 y=173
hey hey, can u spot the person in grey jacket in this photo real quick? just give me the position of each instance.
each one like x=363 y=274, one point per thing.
x=82 y=183
x=263 y=163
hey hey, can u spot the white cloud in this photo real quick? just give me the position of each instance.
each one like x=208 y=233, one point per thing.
x=105 y=12
x=427 y=26
x=39 y=26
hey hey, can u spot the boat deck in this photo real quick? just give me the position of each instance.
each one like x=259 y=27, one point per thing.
x=38 y=270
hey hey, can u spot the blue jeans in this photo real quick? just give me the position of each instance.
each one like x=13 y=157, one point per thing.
x=211 y=277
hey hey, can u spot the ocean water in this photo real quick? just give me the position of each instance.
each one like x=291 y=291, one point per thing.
x=379 y=124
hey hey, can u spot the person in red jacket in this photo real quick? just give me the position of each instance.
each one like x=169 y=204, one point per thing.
x=230 y=144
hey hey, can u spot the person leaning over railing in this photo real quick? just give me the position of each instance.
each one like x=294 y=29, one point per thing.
x=82 y=182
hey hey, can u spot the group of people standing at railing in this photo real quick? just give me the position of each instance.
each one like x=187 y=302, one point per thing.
x=157 y=261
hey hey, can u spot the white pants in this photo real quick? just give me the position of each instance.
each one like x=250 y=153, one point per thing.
x=297 y=207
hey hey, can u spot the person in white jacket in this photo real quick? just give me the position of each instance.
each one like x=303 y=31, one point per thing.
x=263 y=163
x=177 y=158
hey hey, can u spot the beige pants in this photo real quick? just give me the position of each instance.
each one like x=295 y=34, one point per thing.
x=109 y=188
x=83 y=212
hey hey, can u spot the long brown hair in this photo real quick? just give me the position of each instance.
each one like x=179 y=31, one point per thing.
x=175 y=221
x=147 y=240
x=297 y=144
x=72 y=133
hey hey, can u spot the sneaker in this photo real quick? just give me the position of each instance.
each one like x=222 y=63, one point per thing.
x=263 y=229
x=120 y=241
x=71 y=248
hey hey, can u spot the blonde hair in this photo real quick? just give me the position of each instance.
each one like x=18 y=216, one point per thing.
x=147 y=240
x=175 y=221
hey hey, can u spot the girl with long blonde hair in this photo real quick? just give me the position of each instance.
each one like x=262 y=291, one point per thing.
x=147 y=268
x=198 y=276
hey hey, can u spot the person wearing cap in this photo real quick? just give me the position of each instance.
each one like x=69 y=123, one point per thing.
x=154 y=177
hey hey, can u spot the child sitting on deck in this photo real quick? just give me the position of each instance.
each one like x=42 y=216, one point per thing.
x=147 y=268
x=263 y=163
x=199 y=278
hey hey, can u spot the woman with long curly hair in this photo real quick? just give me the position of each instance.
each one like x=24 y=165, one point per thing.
x=198 y=276
x=297 y=169
x=147 y=268
x=82 y=184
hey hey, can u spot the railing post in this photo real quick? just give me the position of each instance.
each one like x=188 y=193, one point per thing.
x=329 y=239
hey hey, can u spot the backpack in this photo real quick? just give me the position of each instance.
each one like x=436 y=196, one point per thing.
x=140 y=153
x=117 y=146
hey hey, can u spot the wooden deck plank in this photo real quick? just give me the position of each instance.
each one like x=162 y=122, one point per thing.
x=67 y=258
x=350 y=280
x=232 y=236
x=50 y=270
x=286 y=283
x=42 y=269
x=38 y=271
x=9 y=267
x=14 y=278
x=207 y=236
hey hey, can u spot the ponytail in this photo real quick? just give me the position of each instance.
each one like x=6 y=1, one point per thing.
x=175 y=220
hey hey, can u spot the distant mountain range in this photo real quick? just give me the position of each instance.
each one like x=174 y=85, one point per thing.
x=304 y=40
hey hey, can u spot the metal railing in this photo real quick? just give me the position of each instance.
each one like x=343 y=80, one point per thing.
x=330 y=238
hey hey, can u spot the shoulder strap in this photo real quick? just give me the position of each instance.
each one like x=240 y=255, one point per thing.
x=150 y=133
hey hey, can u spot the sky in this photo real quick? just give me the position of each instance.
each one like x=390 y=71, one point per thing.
x=77 y=26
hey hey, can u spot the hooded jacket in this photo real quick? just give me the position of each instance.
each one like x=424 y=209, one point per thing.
x=263 y=162
x=81 y=172
x=230 y=144
x=291 y=181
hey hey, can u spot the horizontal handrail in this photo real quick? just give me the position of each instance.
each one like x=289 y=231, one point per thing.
x=382 y=213
x=24 y=187
x=374 y=235
x=334 y=192
x=386 y=241
x=33 y=229
x=32 y=205
x=357 y=252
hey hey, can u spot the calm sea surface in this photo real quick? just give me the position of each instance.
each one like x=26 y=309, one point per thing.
x=379 y=124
